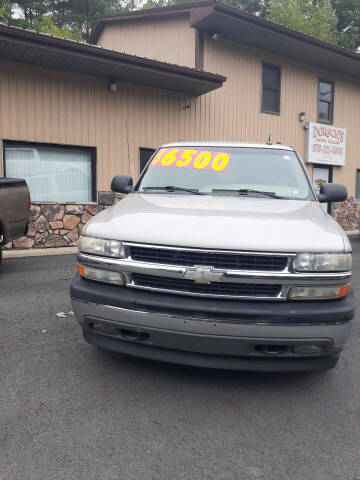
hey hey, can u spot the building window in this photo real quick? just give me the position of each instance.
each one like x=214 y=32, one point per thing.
x=325 y=102
x=357 y=191
x=54 y=173
x=271 y=86
x=144 y=156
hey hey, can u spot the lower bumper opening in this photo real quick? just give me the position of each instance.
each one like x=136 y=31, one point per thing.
x=104 y=328
x=273 y=350
x=195 y=359
x=241 y=346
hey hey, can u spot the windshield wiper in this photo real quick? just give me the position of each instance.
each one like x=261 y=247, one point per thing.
x=245 y=191
x=173 y=188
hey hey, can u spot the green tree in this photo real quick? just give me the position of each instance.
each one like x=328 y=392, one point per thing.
x=60 y=17
x=316 y=18
x=5 y=11
x=258 y=7
x=34 y=15
x=348 y=26
x=163 y=3
x=46 y=25
x=30 y=10
x=81 y=14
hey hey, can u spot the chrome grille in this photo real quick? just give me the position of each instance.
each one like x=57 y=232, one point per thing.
x=218 y=288
x=189 y=258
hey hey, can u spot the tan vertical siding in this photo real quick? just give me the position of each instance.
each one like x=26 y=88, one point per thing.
x=169 y=40
x=239 y=102
x=44 y=105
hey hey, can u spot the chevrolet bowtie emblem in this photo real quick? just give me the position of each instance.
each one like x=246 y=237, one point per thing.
x=202 y=274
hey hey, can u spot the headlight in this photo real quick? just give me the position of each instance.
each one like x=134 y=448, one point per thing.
x=322 y=262
x=318 y=293
x=99 y=275
x=101 y=246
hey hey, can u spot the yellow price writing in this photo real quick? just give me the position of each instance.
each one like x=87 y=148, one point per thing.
x=195 y=159
x=220 y=162
x=186 y=158
x=158 y=156
x=202 y=160
x=169 y=157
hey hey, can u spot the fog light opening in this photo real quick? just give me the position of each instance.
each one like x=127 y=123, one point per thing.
x=134 y=335
x=308 y=349
x=103 y=328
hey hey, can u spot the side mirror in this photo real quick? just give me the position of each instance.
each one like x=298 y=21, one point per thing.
x=332 y=192
x=122 y=184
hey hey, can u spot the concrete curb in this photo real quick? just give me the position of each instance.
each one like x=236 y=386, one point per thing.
x=39 y=252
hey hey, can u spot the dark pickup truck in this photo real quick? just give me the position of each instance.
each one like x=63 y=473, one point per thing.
x=14 y=210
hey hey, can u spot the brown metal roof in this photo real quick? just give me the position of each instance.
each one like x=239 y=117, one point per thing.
x=45 y=50
x=215 y=17
x=178 y=9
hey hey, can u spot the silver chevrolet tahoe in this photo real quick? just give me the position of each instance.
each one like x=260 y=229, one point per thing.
x=220 y=256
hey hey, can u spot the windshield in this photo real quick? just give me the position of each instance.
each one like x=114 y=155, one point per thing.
x=227 y=171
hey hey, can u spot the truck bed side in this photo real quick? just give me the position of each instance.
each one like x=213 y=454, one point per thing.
x=14 y=208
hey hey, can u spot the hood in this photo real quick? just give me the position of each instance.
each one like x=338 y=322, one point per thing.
x=220 y=222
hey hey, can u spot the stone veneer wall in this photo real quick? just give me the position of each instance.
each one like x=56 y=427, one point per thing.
x=56 y=224
x=347 y=214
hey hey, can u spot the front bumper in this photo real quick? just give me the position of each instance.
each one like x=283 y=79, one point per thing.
x=217 y=334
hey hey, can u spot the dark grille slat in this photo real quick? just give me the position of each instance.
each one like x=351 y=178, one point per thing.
x=218 y=288
x=187 y=258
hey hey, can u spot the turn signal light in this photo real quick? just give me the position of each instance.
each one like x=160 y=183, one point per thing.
x=343 y=291
x=81 y=270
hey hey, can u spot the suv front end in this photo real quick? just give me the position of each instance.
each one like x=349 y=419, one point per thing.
x=173 y=304
x=161 y=275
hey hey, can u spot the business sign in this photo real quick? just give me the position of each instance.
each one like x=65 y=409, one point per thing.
x=326 y=144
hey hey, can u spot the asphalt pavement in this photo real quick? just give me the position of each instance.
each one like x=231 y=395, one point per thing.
x=70 y=411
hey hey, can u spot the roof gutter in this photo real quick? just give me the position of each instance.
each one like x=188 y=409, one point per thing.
x=78 y=48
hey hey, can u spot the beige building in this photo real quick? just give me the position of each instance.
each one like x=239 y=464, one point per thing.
x=73 y=115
